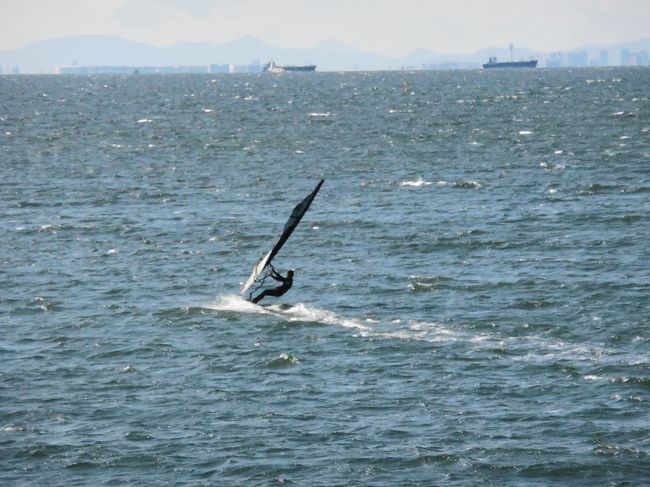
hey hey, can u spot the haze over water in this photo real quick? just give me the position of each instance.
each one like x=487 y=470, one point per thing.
x=471 y=298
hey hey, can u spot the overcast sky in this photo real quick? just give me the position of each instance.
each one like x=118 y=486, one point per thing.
x=390 y=27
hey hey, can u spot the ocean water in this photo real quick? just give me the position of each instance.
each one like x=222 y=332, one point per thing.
x=471 y=303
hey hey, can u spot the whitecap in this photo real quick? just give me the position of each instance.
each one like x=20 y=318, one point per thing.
x=287 y=357
x=49 y=228
x=416 y=183
x=551 y=167
x=593 y=377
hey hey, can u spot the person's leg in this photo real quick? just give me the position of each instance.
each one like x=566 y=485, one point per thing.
x=259 y=297
x=275 y=292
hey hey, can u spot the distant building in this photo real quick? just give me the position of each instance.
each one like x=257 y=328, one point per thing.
x=245 y=68
x=254 y=67
x=450 y=65
x=629 y=58
x=181 y=69
x=178 y=69
x=603 y=58
x=555 y=61
x=132 y=69
x=163 y=70
x=100 y=69
x=626 y=57
x=220 y=68
x=578 y=59
x=195 y=69
x=642 y=58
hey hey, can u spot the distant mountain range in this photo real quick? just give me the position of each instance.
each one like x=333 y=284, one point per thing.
x=45 y=56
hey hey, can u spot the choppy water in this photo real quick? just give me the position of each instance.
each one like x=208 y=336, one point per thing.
x=471 y=304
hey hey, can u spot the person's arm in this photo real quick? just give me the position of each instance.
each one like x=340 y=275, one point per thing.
x=278 y=277
x=274 y=273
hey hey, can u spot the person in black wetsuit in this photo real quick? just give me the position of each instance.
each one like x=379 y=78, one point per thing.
x=287 y=282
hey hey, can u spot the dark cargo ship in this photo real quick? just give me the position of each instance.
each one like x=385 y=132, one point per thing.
x=493 y=63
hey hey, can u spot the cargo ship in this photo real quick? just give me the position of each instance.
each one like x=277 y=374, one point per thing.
x=493 y=63
x=274 y=68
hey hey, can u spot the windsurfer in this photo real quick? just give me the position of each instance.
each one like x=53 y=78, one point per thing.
x=296 y=215
x=287 y=282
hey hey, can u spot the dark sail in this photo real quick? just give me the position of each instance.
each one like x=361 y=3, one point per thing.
x=296 y=215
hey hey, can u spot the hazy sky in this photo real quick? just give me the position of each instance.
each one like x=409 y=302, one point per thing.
x=391 y=27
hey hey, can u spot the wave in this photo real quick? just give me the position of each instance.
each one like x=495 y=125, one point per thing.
x=428 y=284
x=415 y=183
x=460 y=184
x=54 y=228
x=284 y=360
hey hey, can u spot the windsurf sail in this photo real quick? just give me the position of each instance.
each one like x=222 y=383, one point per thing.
x=296 y=215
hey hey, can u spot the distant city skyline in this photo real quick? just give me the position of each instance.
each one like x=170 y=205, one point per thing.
x=554 y=60
x=386 y=27
x=114 y=54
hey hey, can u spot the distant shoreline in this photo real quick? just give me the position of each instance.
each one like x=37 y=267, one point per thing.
x=263 y=74
x=248 y=54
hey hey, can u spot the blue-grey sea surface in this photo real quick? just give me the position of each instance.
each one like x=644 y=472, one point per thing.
x=471 y=303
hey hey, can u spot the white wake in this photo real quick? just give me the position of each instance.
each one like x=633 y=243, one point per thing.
x=393 y=329
x=528 y=348
x=298 y=312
